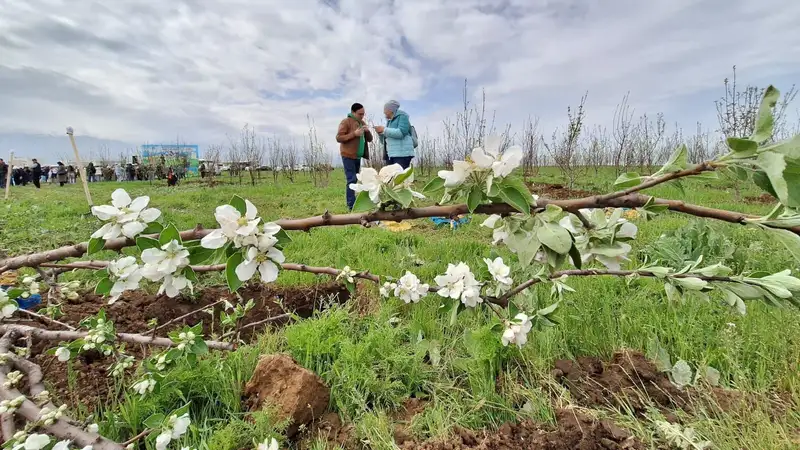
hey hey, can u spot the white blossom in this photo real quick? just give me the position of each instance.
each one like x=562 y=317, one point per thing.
x=266 y=262
x=93 y=428
x=409 y=289
x=456 y=177
x=499 y=233
x=499 y=270
x=459 y=283
x=9 y=406
x=36 y=442
x=269 y=444
x=347 y=274
x=124 y=216
x=163 y=440
x=233 y=226
x=371 y=181
x=125 y=274
x=7 y=306
x=145 y=386
x=63 y=354
x=12 y=378
x=62 y=445
x=173 y=285
x=166 y=260
x=387 y=289
x=179 y=425
x=489 y=157
x=517 y=330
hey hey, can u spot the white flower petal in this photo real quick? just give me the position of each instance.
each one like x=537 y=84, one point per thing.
x=140 y=203
x=214 y=240
x=246 y=270
x=268 y=271
x=120 y=198
x=132 y=229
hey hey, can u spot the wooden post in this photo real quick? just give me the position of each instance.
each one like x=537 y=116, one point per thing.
x=8 y=174
x=81 y=169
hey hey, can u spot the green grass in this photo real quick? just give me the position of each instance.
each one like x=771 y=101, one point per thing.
x=372 y=365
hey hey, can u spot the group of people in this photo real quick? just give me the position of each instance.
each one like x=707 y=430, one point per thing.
x=398 y=140
x=35 y=174
x=68 y=174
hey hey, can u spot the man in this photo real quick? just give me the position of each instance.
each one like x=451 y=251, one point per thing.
x=90 y=172
x=353 y=136
x=61 y=174
x=36 y=173
x=3 y=173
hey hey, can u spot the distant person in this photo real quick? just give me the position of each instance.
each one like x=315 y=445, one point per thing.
x=70 y=174
x=172 y=177
x=352 y=137
x=53 y=174
x=202 y=170
x=3 y=173
x=90 y=172
x=36 y=173
x=61 y=172
x=397 y=135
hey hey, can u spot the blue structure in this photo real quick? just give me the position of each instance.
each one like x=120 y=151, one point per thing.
x=172 y=154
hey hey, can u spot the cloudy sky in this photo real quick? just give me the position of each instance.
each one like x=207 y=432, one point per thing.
x=131 y=72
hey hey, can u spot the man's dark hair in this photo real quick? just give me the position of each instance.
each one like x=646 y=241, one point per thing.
x=356 y=107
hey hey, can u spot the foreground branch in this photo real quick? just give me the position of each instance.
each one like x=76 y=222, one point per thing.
x=631 y=200
x=50 y=335
x=62 y=429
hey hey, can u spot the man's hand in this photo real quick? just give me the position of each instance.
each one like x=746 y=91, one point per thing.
x=359 y=132
x=379 y=128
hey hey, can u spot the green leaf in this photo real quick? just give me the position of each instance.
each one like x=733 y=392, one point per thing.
x=681 y=374
x=789 y=240
x=14 y=293
x=351 y=287
x=153 y=228
x=95 y=245
x=402 y=196
x=546 y=311
x=154 y=421
x=765 y=120
x=190 y=275
x=363 y=202
x=234 y=282
x=283 y=238
x=575 y=255
x=676 y=162
x=169 y=234
x=519 y=184
x=555 y=237
x=673 y=294
x=474 y=198
x=528 y=250
x=784 y=176
x=692 y=283
x=199 y=255
x=240 y=205
x=740 y=145
x=517 y=199
x=761 y=180
x=790 y=148
x=707 y=175
x=104 y=286
x=629 y=179
x=398 y=180
x=434 y=185
x=739 y=172
x=144 y=243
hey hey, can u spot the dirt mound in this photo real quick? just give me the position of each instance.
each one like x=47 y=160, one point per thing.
x=574 y=431
x=86 y=381
x=629 y=380
x=299 y=394
x=557 y=191
x=764 y=199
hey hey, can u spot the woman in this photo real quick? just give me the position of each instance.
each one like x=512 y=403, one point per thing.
x=397 y=135
x=172 y=178
x=61 y=173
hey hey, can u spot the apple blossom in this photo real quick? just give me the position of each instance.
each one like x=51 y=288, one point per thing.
x=173 y=285
x=166 y=260
x=62 y=445
x=93 y=428
x=125 y=274
x=458 y=282
x=145 y=386
x=36 y=442
x=456 y=177
x=163 y=440
x=517 y=330
x=499 y=271
x=347 y=274
x=269 y=444
x=266 y=262
x=409 y=289
x=124 y=217
x=233 y=226
x=7 y=306
x=489 y=157
x=387 y=289
x=371 y=181
x=63 y=354
x=12 y=378
x=9 y=406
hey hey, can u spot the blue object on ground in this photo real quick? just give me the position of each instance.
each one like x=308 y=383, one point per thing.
x=439 y=221
x=24 y=303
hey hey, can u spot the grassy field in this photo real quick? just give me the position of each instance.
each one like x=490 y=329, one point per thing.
x=373 y=364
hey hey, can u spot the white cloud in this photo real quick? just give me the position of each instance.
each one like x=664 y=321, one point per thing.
x=147 y=71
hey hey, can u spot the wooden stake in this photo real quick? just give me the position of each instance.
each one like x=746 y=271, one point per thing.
x=81 y=169
x=8 y=174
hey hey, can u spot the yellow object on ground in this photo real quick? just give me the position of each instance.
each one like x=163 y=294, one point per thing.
x=9 y=277
x=397 y=226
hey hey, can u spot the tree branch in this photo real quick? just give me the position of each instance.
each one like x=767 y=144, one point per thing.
x=50 y=335
x=62 y=428
x=503 y=300
x=620 y=199
x=696 y=170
